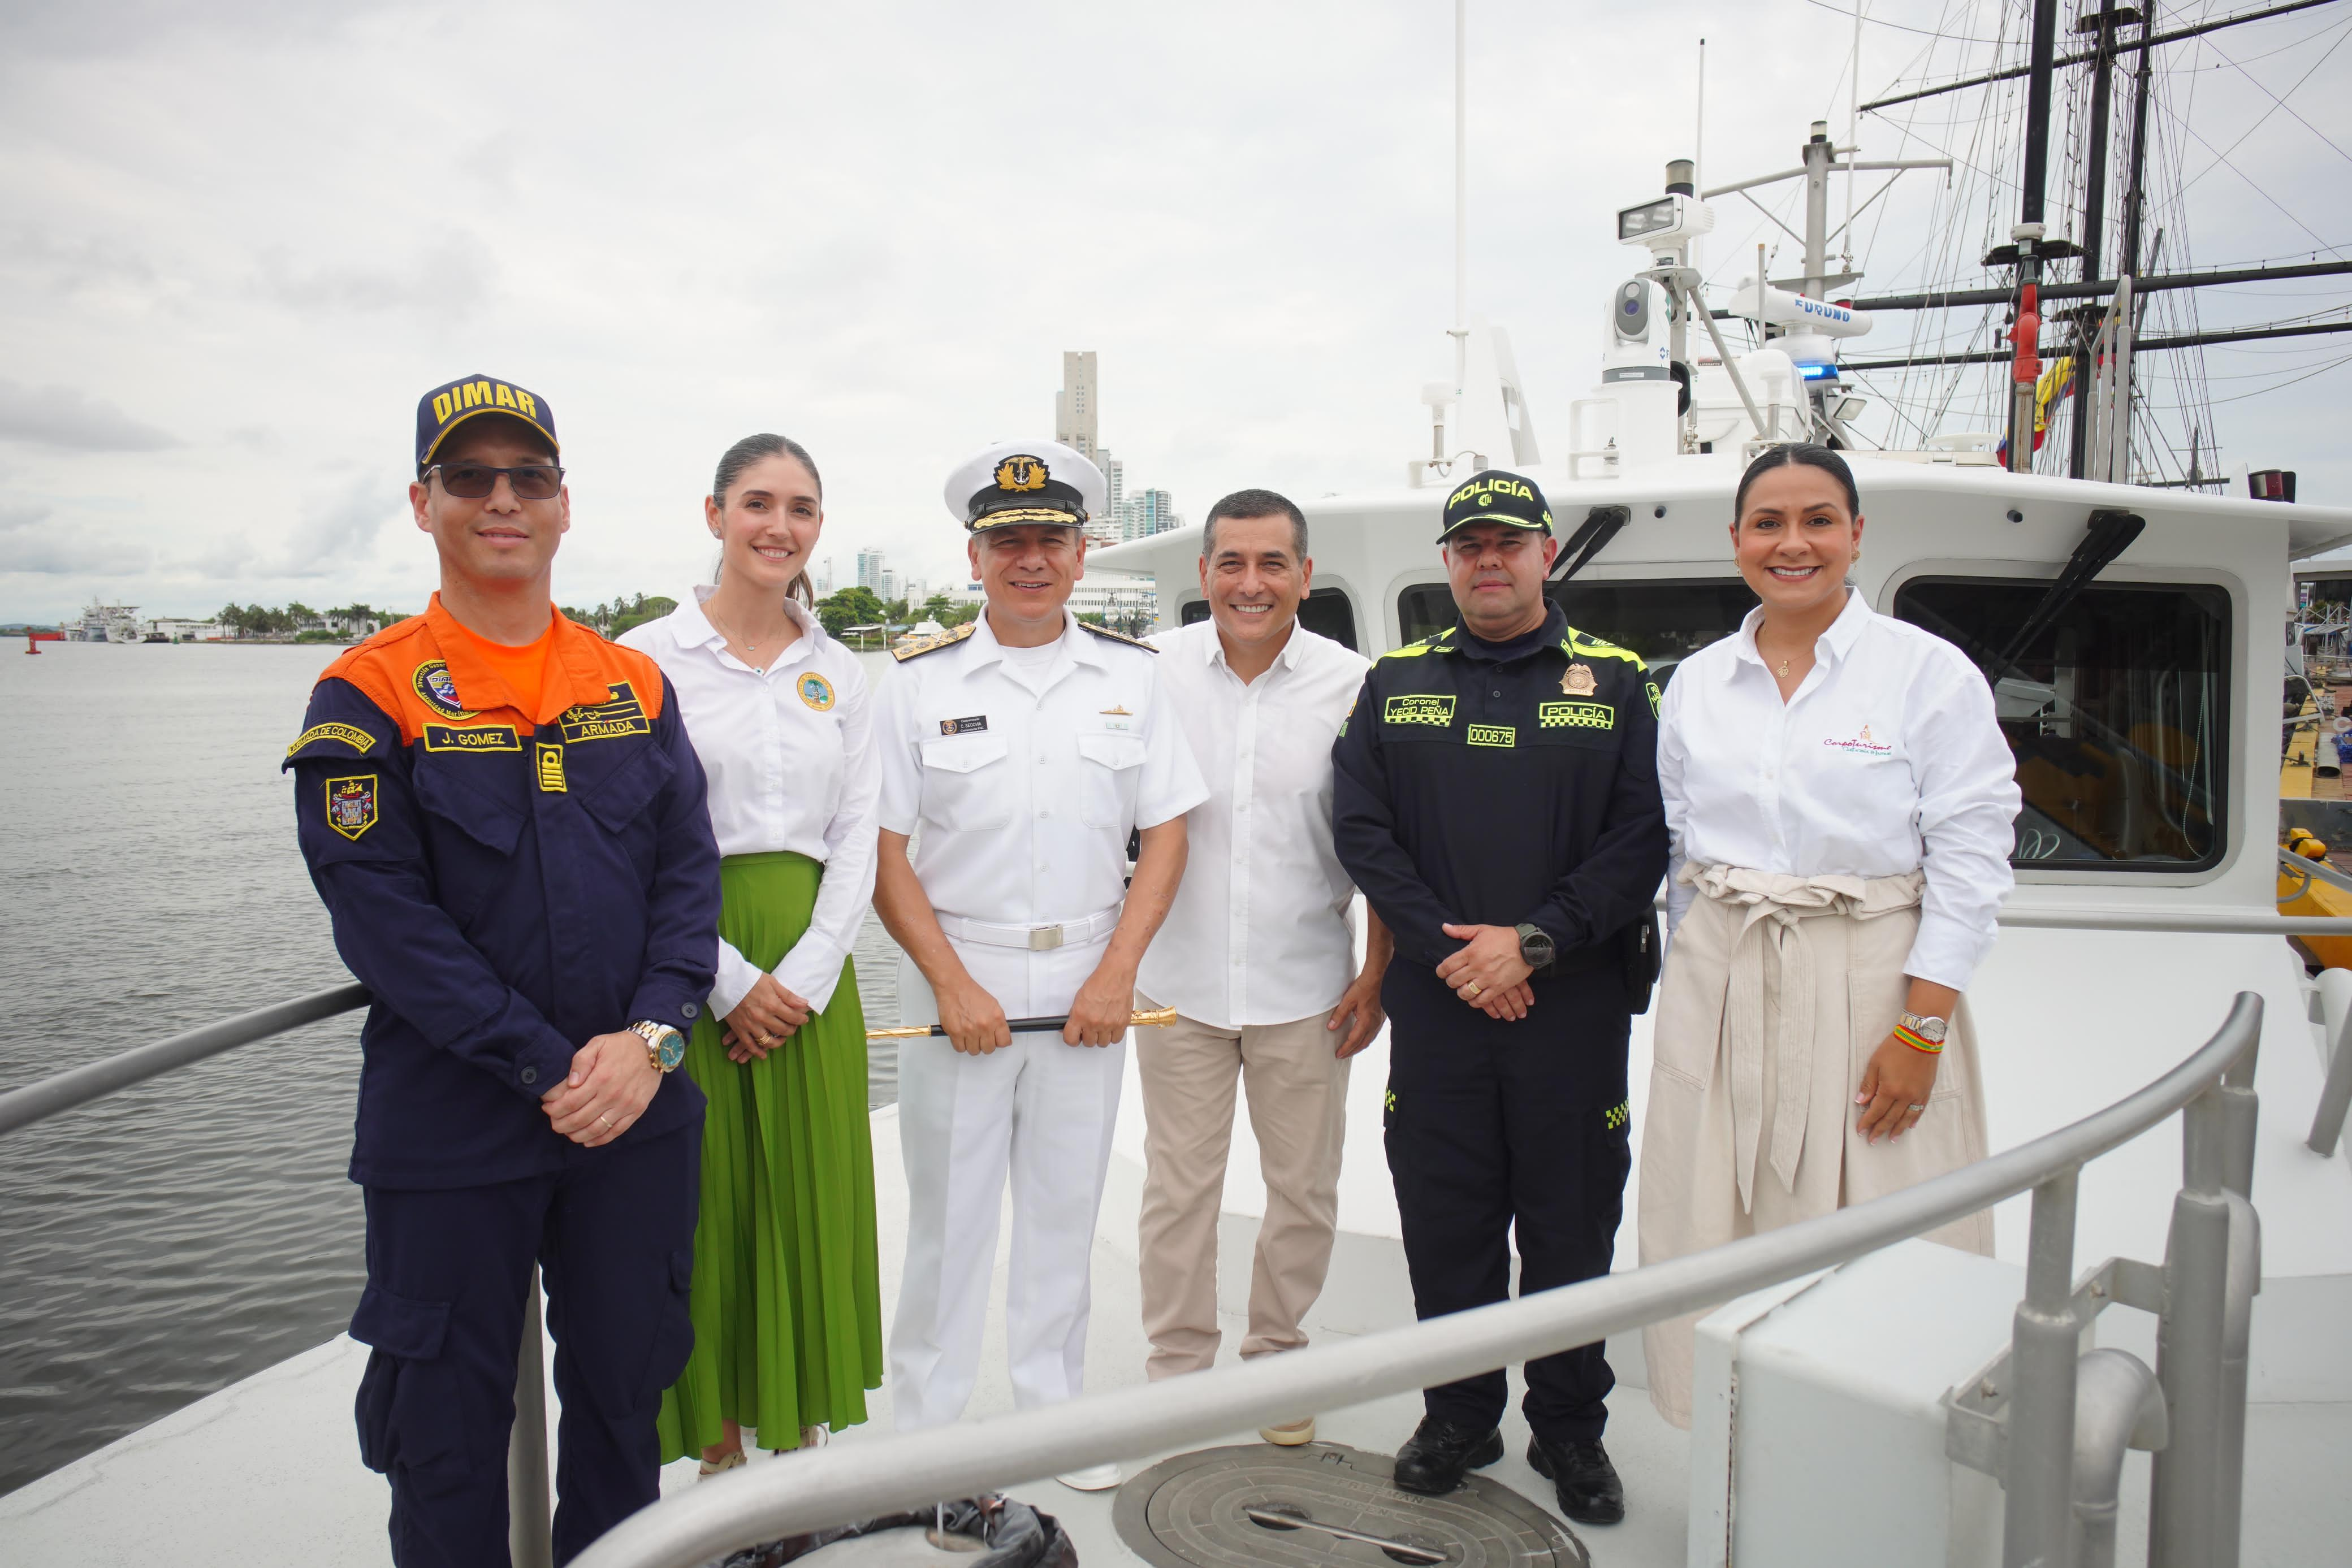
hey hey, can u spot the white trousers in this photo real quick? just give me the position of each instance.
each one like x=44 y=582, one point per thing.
x=1039 y=1110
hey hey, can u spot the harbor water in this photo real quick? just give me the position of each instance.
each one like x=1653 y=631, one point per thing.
x=166 y=1242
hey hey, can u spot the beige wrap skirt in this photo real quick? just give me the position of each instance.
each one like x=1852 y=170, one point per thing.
x=1778 y=990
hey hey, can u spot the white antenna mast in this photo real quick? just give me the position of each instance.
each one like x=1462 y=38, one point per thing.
x=1852 y=135
x=1461 y=328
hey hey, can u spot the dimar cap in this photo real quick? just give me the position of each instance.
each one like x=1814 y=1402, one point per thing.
x=1497 y=495
x=444 y=408
x=1026 y=482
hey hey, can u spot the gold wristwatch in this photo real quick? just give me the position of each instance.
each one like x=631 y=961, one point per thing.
x=664 y=1047
x=1932 y=1031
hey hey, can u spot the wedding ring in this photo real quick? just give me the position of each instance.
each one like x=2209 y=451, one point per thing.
x=606 y=1118
x=1918 y=1107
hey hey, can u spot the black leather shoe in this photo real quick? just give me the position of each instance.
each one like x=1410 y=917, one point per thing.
x=1589 y=1492
x=1434 y=1457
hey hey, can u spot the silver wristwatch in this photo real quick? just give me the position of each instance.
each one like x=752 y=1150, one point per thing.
x=1932 y=1031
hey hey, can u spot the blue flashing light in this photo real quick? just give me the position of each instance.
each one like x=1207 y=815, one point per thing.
x=1818 y=372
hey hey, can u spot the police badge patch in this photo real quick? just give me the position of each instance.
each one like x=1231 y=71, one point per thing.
x=350 y=805
x=440 y=693
x=1578 y=681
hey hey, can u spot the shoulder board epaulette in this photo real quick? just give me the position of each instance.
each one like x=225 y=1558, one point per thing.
x=933 y=644
x=1579 y=645
x=1436 y=642
x=1107 y=634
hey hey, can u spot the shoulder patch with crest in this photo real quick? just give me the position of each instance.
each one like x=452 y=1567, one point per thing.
x=933 y=644
x=1109 y=635
x=350 y=805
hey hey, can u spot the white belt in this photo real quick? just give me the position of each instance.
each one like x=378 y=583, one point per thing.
x=1035 y=938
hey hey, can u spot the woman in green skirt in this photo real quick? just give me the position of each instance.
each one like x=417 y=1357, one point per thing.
x=786 y=1296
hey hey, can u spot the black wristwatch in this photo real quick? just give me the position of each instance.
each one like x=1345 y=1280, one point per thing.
x=1536 y=950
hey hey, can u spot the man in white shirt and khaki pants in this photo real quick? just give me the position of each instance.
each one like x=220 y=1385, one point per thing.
x=1256 y=956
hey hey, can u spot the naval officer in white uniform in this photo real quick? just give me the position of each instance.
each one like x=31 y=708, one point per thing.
x=1027 y=747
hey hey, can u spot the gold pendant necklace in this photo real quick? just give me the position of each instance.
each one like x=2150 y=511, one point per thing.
x=1783 y=671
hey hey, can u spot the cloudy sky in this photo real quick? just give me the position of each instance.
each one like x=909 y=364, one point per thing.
x=237 y=240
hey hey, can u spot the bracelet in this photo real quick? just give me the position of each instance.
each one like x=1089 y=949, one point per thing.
x=1918 y=1042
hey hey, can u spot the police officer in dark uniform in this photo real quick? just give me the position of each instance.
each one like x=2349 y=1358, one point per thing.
x=1497 y=801
x=504 y=818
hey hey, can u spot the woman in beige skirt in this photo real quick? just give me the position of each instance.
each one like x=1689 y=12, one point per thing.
x=1840 y=799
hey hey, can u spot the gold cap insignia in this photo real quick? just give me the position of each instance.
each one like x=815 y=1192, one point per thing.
x=1020 y=474
x=1578 y=681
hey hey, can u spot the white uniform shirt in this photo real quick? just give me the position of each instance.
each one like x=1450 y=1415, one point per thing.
x=789 y=754
x=1258 y=934
x=1887 y=759
x=1026 y=789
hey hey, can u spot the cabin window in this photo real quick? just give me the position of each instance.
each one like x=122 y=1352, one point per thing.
x=1325 y=612
x=2117 y=711
x=1664 y=620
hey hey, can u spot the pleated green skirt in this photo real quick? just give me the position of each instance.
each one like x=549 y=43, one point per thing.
x=787 y=1299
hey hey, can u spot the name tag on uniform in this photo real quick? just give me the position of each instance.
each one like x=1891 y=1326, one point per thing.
x=1577 y=715
x=972 y=725
x=1410 y=708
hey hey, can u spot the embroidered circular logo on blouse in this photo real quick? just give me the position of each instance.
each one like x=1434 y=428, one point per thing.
x=816 y=690
x=433 y=684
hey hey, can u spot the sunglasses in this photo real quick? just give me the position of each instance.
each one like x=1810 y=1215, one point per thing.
x=473 y=481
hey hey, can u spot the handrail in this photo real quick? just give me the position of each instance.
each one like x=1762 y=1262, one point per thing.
x=862 y=1479
x=93 y=1081
x=79 y=1085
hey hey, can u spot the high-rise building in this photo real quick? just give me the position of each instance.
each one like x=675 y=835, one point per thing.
x=1075 y=405
x=1147 y=513
x=890 y=589
x=869 y=569
x=821 y=580
x=1103 y=527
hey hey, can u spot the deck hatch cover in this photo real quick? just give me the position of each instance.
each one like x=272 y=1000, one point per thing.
x=1227 y=1508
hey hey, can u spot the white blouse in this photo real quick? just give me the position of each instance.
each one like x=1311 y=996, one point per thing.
x=789 y=755
x=1887 y=759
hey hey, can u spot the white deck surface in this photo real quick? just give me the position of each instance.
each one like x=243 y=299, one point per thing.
x=266 y=1474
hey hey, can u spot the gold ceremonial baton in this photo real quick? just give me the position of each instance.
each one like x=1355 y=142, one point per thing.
x=1159 y=1019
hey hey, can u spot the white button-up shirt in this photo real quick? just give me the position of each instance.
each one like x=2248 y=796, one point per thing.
x=1258 y=934
x=1887 y=759
x=789 y=754
x=1027 y=779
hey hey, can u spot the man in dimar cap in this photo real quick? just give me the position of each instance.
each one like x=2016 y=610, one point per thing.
x=1027 y=747
x=504 y=818
x=1496 y=800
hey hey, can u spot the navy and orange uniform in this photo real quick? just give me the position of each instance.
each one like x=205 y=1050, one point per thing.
x=506 y=884
x=1507 y=784
x=509 y=884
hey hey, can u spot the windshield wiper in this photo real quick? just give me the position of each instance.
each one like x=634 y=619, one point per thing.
x=2111 y=533
x=1599 y=526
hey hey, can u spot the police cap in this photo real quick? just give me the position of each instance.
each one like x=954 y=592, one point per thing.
x=1024 y=481
x=444 y=408
x=1495 y=495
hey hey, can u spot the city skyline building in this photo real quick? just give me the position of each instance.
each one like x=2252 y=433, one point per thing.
x=1076 y=406
x=869 y=569
x=1149 y=512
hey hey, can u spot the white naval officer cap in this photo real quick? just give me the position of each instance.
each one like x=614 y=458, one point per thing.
x=1026 y=482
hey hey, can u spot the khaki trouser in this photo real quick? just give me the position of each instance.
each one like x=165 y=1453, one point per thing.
x=1299 y=1109
x=1777 y=991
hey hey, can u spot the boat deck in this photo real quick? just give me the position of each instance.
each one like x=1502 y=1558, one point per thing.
x=266 y=1474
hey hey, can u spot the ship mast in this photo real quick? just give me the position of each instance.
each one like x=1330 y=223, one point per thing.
x=2028 y=249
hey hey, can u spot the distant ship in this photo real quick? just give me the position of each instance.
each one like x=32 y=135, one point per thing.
x=110 y=623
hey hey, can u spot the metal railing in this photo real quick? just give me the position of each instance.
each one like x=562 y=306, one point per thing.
x=2198 y=1475
x=852 y=1482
